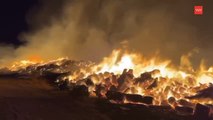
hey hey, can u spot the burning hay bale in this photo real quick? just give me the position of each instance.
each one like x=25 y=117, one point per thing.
x=134 y=98
x=116 y=96
x=205 y=93
x=185 y=103
x=144 y=77
x=184 y=110
x=124 y=80
x=139 y=99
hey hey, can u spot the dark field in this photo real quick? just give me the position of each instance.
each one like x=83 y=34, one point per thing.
x=38 y=100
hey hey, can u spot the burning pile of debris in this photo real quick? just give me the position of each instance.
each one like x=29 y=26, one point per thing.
x=123 y=79
x=55 y=68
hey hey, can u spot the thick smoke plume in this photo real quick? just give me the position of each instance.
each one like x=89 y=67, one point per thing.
x=90 y=29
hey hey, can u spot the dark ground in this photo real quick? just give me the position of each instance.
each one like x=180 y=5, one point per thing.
x=37 y=100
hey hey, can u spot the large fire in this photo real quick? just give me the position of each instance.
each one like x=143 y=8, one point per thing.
x=131 y=73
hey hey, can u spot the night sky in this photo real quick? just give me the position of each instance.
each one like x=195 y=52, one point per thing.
x=14 y=13
x=13 y=19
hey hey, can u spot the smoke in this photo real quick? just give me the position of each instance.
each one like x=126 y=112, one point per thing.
x=91 y=29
